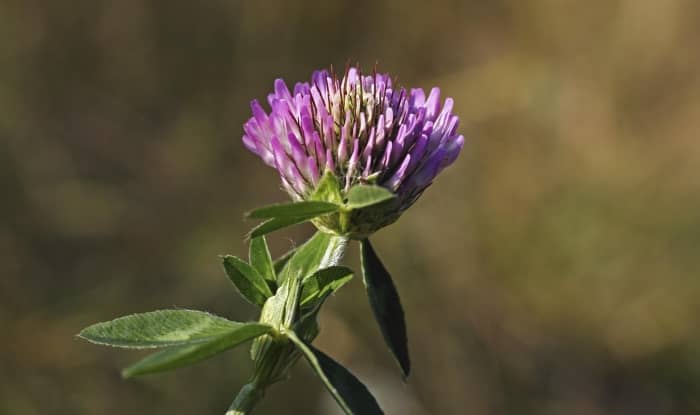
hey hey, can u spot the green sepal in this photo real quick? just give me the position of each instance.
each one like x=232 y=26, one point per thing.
x=352 y=396
x=274 y=224
x=260 y=259
x=386 y=305
x=180 y=356
x=287 y=214
x=363 y=195
x=162 y=328
x=249 y=283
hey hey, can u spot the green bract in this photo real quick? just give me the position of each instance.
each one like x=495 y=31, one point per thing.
x=355 y=214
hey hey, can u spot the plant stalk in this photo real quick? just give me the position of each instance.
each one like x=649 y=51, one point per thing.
x=275 y=356
x=249 y=395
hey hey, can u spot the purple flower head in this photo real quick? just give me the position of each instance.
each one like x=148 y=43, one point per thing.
x=362 y=129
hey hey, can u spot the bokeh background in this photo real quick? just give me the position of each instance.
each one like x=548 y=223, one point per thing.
x=553 y=269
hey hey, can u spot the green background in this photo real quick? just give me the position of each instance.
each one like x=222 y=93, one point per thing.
x=553 y=269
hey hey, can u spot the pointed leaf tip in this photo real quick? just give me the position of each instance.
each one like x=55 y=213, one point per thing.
x=386 y=305
x=261 y=260
x=352 y=396
x=247 y=280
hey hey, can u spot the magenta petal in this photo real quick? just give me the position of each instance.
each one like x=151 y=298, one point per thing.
x=369 y=147
x=313 y=169
x=320 y=151
x=287 y=168
x=433 y=103
x=358 y=126
x=301 y=88
x=386 y=158
x=417 y=97
x=425 y=174
x=343 y=147
x=281 y=90
x=367 y=171
x=258 y=112
x=444 y=114
x=397 y=178
x=249 y=143
x=300 y=157
x=417 y=153
x=453 y=149
x=352 y=163
x=330 y=165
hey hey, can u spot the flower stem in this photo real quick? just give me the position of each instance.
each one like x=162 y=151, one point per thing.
x=275 y=355
x=249 y=395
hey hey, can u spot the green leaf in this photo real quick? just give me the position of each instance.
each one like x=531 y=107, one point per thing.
x=310 y=208
x=247 y=280
x=386 y=305
x=328 y=189
x=321 y=251
x=186 y=355
x=158 y=329
x=324 y=282
x=363 y=195
x=260 y=259
x=352 y=396
x=283 y=215
x=272 y=225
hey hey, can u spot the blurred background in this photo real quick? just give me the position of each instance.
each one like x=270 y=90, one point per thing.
x=553 y=269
